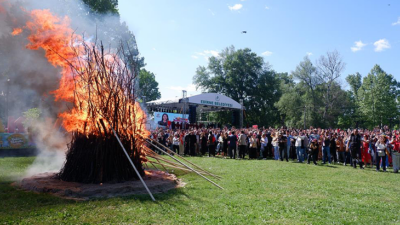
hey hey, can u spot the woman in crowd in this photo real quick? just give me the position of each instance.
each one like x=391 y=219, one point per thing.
x=264 y=143
x=253 y=146
x=366 y=157
x=275 y=144
x=381 y=149
x=175 y=143
x=340 y=149
x=225 y=144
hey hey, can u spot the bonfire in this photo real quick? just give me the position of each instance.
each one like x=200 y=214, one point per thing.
x=109 y=138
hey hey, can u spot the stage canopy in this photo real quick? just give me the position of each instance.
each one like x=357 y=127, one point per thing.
x=206 y=102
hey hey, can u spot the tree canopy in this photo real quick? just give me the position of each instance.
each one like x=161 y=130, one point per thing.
x=311 y=95
x=148 y=86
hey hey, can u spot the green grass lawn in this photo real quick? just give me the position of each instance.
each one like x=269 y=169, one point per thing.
x=257 y=191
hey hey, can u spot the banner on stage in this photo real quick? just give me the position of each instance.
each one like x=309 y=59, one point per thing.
x=15 y=141
x=164 y=119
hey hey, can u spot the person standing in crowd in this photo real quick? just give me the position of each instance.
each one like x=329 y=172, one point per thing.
x=253 y=146
x=372 y=148
x=282 y=142
x=299 y=144
x=396 y=154
x=275 y=143
x=264 y=144
x=288 y=138
x=203 y=143
x=381 y=149
x=175 y=143
x=192 y=143
x=242 y=144
x=232 y=145
x=225 y=144
x=259 y=135
x=366 y=157
x=340 y=149
x=354 y=146
x=313 y=152
x=269 y=146
x=332 y=148
x=326 y=154
x=187 y=142
x=211 y=144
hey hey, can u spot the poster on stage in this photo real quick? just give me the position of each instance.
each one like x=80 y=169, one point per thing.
x=164 y=119
x=15 y=141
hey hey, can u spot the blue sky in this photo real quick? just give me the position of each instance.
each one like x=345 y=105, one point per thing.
x=177 y=36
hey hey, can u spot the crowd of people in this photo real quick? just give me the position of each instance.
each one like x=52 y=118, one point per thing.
x=377 y=148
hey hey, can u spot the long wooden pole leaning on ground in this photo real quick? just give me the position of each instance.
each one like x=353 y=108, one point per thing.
x=169 y=150
x=212 y=182
x=134 y=167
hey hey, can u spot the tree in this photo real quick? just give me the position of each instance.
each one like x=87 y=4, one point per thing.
x=329 y=70
x=103 y=6
x=355 y=82
x=242 y=74
x=291 y=104
x=306 y=73
x=378 y=97
x=148 y=85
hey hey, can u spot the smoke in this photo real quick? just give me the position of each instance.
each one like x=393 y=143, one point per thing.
x=27 y=79
x=52 y=145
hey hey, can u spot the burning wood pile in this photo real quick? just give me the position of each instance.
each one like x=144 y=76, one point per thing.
x=103 y=99
x=109 y=138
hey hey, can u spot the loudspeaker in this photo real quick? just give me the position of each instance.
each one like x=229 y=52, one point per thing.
x=192 y=114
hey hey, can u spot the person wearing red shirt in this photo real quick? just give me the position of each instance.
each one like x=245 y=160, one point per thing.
x=366 y=157
x=396 y=154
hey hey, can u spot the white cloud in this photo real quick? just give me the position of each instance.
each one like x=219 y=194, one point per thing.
x=206 y=54
x=397 y=22
x=154 y=49
x=381 y=45
x=266 y=53
x=358 y=46
x=189 y=88
x=266 y=7
x=235 y=7
x=309 y=53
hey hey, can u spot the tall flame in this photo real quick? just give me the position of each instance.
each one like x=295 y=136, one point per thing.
x=56 y=38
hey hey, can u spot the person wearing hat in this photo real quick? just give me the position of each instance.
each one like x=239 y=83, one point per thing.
x=313 y=151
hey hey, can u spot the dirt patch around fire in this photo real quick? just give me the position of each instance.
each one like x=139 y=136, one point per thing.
x=157 y=182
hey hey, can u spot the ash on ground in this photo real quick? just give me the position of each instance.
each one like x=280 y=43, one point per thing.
x=156 y=181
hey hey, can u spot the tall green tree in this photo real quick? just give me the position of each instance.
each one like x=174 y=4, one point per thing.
x=242 y=74
x=148 y=86
x=309 y=82
x=378 y=97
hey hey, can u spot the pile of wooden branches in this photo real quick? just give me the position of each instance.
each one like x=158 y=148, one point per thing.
x=103 y=100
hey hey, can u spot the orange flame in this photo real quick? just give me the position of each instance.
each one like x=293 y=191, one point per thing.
x=16 y=31
x=54 y=35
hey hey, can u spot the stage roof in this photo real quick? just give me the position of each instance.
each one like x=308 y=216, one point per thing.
x=205 y=101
